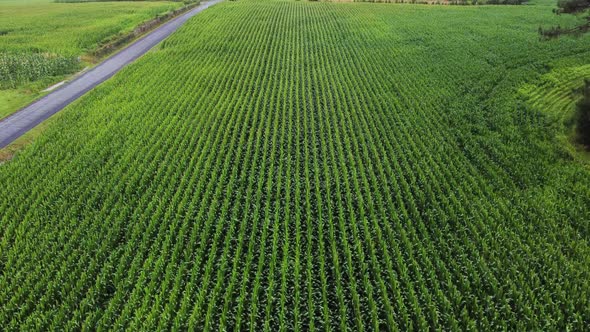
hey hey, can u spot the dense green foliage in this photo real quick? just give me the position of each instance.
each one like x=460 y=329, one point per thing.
x=17 y=69
x=41 y=41
x=569 y=7
x=308 y=166
x=573 y=6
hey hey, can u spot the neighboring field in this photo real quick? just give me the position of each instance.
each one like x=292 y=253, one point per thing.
x=41 y=41
x=311 y=166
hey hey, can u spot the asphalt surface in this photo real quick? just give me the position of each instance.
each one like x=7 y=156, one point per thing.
x=17 y=124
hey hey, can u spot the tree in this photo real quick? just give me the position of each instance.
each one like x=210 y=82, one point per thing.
x=572 y=6
x=569 y=7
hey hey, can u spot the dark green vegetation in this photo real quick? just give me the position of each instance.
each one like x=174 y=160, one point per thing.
x=583 y=117
x=575 y=7
x=42 y=42
x=311 y=166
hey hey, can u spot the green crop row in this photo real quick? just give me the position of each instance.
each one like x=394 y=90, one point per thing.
x=17 y=69
x=303 y=166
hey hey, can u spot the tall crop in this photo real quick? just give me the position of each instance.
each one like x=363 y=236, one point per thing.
x=299 y=166
x=16 y=69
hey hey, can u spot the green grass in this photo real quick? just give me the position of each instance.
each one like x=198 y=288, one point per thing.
x=13 y=99
x=33 y=29
x=310 y=166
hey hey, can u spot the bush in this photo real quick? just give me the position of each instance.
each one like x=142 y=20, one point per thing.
x=573 y=6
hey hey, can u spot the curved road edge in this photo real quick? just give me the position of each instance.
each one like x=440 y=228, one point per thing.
x=20 y=122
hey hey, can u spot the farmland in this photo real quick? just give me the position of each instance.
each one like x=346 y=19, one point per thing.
x=41 y=42
x=291 y=165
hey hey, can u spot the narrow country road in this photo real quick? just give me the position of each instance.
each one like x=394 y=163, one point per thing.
x=17 y=124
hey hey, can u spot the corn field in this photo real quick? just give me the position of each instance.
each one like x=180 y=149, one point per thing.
x=20 y=68
x=301 y=166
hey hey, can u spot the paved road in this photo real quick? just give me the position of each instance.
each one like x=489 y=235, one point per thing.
x=17 y=124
